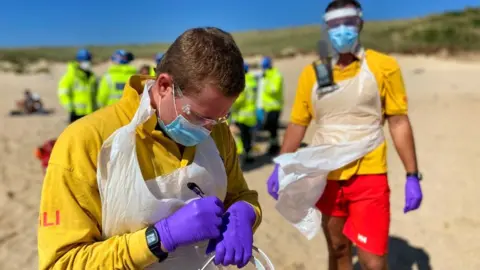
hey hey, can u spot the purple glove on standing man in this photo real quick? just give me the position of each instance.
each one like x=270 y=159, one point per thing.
x=413 y=194
x=272 y=183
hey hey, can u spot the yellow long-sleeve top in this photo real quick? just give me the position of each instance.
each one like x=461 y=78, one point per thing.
x=70 y=226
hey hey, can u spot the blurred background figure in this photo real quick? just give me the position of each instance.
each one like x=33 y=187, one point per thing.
x=111 y=85
x=270 y=102
x=244 y=117
x=31 y=103
x=158 y=58
x=77 y=87
x=144 y=70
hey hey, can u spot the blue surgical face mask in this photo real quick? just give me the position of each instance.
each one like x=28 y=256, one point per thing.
x=344 y=38
x=182 y=131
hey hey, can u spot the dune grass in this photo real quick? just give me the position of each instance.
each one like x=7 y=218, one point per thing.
x=454 y=32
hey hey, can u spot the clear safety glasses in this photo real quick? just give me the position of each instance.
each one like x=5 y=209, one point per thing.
x=348 y=16
x=193 y=117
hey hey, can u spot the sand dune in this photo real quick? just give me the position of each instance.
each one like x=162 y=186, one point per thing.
x=444 y=100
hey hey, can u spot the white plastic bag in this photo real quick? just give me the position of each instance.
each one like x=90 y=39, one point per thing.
x=303 y=177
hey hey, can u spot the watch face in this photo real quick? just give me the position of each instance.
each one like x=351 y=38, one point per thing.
x=151 y=239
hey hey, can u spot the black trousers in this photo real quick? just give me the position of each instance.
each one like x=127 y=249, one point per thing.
x=74 y=117
x=246 y=136
x=272 y=123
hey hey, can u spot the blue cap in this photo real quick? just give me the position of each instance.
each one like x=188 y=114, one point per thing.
x=120 y=57
x=158 y=57
x=266 y=62
x=246 y=67
x=83 y=55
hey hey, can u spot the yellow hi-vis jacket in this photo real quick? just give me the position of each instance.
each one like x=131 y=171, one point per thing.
x=243 y=110
x=272 y=94
x=152 y=71
x=112 y=83
x=76 y=90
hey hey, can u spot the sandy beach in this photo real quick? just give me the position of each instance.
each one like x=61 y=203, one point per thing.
x=444 y=98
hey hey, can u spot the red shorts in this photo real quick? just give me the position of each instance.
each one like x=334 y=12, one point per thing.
x=364 y=201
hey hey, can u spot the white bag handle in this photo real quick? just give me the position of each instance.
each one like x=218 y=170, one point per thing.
x=253 y=260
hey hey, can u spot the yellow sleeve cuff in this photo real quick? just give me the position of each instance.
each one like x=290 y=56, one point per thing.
x=139 y=251
x=258 y=216
x=299 y=122
x=396 y=112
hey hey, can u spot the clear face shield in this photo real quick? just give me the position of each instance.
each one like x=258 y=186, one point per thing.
x=341 y=27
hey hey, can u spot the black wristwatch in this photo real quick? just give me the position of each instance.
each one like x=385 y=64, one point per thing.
x=418 y=175
x=154 y=243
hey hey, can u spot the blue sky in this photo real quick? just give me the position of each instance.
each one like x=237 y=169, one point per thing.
x=89 y=22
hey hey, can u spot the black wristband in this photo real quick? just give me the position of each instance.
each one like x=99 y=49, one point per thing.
x=417 y=174
x=154 y=243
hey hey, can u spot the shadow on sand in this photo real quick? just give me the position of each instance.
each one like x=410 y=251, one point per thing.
x=402 y=256
x=44 y=112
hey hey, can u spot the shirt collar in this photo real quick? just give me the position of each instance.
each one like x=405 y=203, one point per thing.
x=131 y=100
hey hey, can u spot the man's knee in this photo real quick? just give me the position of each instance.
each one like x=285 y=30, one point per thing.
x=373 y=262
x=338 y=245
x=340 y=249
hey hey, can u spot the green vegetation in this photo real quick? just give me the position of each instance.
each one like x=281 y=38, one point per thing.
x=454 y=32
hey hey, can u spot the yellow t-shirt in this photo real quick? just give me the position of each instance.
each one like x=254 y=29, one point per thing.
x=69 y=233
x=394 y=101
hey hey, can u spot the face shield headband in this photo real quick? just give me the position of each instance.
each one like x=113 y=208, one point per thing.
x=347 y=16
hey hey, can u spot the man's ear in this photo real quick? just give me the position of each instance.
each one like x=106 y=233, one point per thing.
x=164 y=84
x=361 y=26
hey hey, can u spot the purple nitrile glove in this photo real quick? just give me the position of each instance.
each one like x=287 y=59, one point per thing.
x=413 y=194
x=197 y=221
x=272 y=183
x=235 y=245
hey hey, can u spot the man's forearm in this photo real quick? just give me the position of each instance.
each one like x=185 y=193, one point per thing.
x=402 y=136
x=293 y=138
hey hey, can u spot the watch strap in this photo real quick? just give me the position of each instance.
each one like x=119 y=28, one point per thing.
x=418 y=175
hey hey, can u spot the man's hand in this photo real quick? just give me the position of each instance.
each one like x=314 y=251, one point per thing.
x=197 y=221
x=235 y=245
x=272 y=183
x=413 y=194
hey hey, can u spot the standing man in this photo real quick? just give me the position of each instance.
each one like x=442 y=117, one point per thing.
x=243 y=116
x=153 y=178
x=271 y=95
x=77 y=88
x=112 y=83
x=356 y=200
